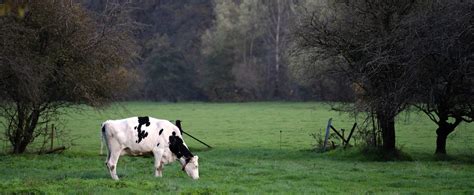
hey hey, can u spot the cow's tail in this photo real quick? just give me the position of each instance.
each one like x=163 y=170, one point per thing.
x=102 y=139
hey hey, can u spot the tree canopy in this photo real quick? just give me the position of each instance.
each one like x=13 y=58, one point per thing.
x=396 y=54
x=55 y=57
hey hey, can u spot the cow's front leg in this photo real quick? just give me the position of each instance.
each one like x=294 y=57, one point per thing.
x=158 y=153
x=159 y=170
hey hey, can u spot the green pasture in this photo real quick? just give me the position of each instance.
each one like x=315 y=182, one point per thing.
x=248 y=156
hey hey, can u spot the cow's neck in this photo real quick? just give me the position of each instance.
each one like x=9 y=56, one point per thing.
x=178 y=148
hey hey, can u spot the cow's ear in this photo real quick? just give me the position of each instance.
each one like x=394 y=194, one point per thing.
x=196 y=157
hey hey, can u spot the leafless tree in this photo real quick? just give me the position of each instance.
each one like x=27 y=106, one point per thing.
x=439 y=41
x=364 y=34
x=58 y=56
x=278 y=17
x=398 y=53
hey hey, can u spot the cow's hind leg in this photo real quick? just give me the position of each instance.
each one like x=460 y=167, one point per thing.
x=158 y=154
x=107 y=159
x=112 y=163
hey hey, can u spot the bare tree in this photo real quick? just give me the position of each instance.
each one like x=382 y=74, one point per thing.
x=277 y=18
x=364 y=34
x=439 y=42
x=57 y=56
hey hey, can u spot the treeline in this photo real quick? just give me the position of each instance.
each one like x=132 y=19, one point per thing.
x=220 y=51
x=60 y=54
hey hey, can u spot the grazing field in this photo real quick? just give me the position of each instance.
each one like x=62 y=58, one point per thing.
x=248 y=156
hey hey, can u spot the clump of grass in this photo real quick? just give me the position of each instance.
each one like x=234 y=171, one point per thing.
x=378 y=154
x=367 y=154
x=332 y=142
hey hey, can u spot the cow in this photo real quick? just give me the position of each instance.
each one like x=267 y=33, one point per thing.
x=144 y=135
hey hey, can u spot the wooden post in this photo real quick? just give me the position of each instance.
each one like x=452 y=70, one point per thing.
x=338 y=134
x=327 y=134
x=350 y=135
x=52 y=136
x=280 y=139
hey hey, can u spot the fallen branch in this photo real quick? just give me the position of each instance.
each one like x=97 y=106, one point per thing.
x=58 y=149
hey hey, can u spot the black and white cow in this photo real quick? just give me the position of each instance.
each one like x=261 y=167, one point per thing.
x=144 y=135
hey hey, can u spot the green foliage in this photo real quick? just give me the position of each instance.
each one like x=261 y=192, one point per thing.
x=254 y=34
x=217 y=79
x=171 y=41
x=222 y=45
x=167 y=72
x=246 y=41
x=246 y=157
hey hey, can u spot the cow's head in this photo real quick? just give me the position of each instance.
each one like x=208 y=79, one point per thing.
x=191 y=166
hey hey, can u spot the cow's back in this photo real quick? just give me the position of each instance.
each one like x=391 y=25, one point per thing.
x=132 y=135
x=139 y=135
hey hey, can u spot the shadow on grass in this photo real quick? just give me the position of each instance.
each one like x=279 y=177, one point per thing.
x=192 y=149
x=378 y=155
x=349 y=154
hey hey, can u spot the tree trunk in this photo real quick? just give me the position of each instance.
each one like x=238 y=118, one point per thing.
x=20 y=148
x=20 y=143
x=25 y=131
x=441 y=141
x=444 y=129
x=387 y=125
x=276 y=92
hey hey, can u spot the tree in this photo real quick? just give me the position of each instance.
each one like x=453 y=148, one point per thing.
x=231 y=70
x=316 y=74
x=439 y=41
x=319 y=79
x=58 y=56
x=169 y=36
x=168 y=76
x=256 y=35
x=277 y=18
x=365 y=34
x=170 y=66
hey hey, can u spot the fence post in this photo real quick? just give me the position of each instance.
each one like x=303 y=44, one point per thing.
x=327 y=134
x=350 y=135
x=52 y=136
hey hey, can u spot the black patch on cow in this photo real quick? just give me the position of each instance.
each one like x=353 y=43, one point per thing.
x=178 y=148
x=142 y=134
x=135 y=127
x=103 y=129
x=157 y=144
x=161 y=131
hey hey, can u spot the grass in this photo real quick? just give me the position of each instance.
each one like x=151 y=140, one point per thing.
x=248 y=156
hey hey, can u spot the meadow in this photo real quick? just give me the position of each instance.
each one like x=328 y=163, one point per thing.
x=258 y=148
